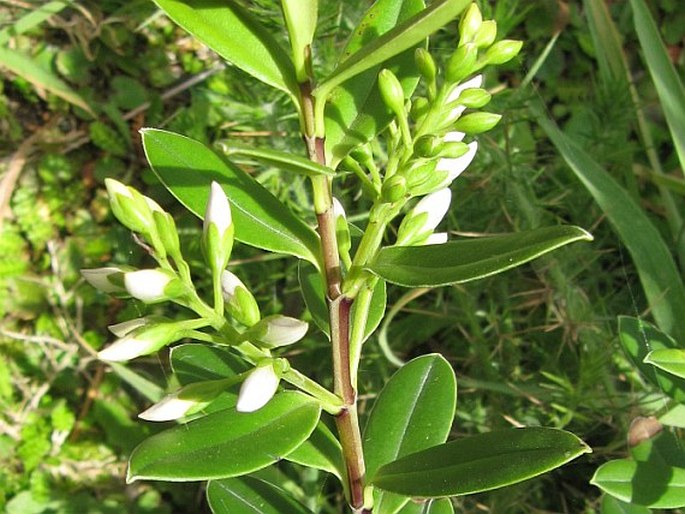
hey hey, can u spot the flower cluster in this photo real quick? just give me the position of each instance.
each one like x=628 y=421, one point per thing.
x=171 y=281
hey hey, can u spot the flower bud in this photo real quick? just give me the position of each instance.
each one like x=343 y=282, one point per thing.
x=424 y=217
x=486 y=34
x=101 y=278
x=277 y=330
x=152 y=285
x=453 y=108
x=238 y=301
x=469 y=24
x=258 y=388
x=145 y=340
x=391 y=92
x=425 y=64
x=455 y=166
x=503 y=51
x=477 y=122
x=342 y=229
x=419 y=108
x=461 y=63
x=218 y=229
x=394 y=189
x=166 y=230
x=126 y=327
x=453 y=149
x=428 y=146
x=187 y=400
x=129 y=207
x=474 y=98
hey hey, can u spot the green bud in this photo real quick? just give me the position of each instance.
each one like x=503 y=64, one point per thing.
x=391 y=92
x=476 y=122
x=503 y=51
x=394 y=189
x=425 y=64
x=486 y=34
x=218 y=230
x=474 y=98
x=419 y=107
x=454 y=149
x=428 y=146
x=461 y=63
x=166 y=229
x=238 y=301
x=469 y=24
x=129 y=207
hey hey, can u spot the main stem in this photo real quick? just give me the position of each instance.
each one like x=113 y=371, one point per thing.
x=339 y=307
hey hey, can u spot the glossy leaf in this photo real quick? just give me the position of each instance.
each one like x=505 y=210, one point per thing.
x=395 y=41
x=611 y=505
x=226 y=443
x=321 y=451
x=659 y=275
x=480 y=463
x=281 y=160
x=669 y=87
x=439 y=506
x=250 y=495
x=196 y=362
x=651 y=484
x=668 y=359
x=187 y=167
x=674 y=417
x=638 y=338
x=237 y=36
x=355 y=112
x=456 y=262
x=25 y=66
x=414 y=411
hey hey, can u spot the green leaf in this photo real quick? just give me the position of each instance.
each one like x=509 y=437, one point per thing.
x=674 y=417
x=611 y=505
x=24 y=66
x=668 y=85
x=194 y=362
x=226 y=443
x=607 y=44
x=661 y=281
x=480 y=463
x=439 y=506
x=651 y=484
x=32 y=19
x=148 y=389
x=414 y=411
x=456 y=262
x=187 y=167
x=249 y=495
x=321 y=451
x=281 y=160
x=670 y=359
x=237 y=36
x=395 y=41
x=638 y=338
x=300 y=18
x=355 y=112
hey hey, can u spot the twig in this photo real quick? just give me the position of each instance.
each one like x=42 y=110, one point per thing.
x=9 y=180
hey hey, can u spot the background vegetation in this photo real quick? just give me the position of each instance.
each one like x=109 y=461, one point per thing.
x=534 y=346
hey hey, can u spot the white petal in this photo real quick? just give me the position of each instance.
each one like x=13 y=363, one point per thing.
x=124 y=349
x=229 y=283
x=170 y=408
x=436 y=238
x=454 y=167
x=453 y=137
x=98 y=278
x=218 y=210
x=116 y=187
x=284 y=330
x=257 y=389
x=435 y=205
x=338 y=209
x=154 y=206
x=147 y=284
x=472 y=83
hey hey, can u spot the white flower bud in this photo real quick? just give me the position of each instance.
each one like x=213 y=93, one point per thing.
x=239 y=302
x=257 y=389
x=128 y=348
x=338 y=209
x=125 y=327
x=169 y=408
x=148 y=285
x=100 y=279
x=277 y=330
x=218 y=210
x=145 y=340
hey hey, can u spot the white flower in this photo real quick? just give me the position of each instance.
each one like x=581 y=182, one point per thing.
x=437 y=238
x=147 y=285
x=99 y=278
x=126 y=349
x=229 y=283
x=257 y=389
x=435 y=205
x=218 y=210
x=338 y=209
x=169 y=408
x=454 y=167
x=282 y=330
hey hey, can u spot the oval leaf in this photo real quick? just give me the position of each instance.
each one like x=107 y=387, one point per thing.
x=321 y=451
x=611 y=505
x=226 y=443
x=186 y=167
x=237 y=36
x=355 y=112
x=651 y=484
x=670 y=359
x=637 y=338
x=480 y=463
x=249 y=495
x=195 y=362
x=414 y=411
x=456 y=262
